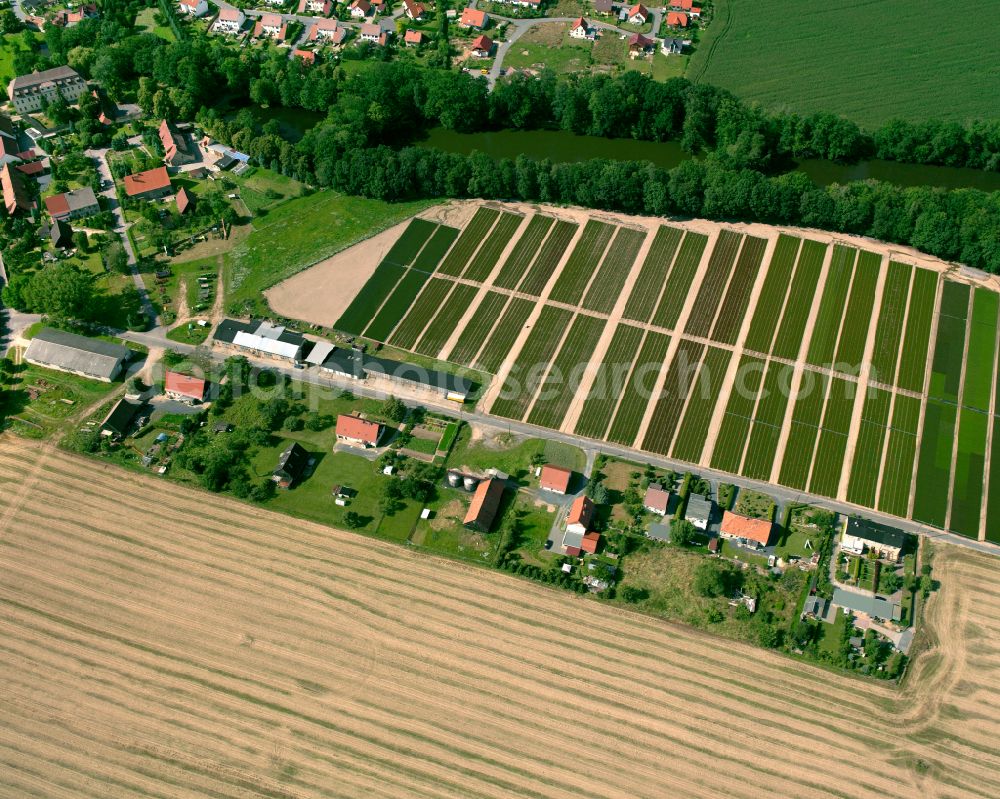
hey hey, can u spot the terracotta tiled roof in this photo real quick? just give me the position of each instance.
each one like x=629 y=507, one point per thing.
x=357 y=429
x=758 y=530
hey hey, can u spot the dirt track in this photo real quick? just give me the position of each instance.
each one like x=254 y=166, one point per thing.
x=156 y=641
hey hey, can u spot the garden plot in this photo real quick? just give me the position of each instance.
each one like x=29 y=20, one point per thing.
x=607 y=284
x=679 y=283
x=720 y=265
x=469 y=240
x=693 y=431
x=734 y=306
x=544 y=266
x=524 y=252
x=823 y=343
x=801 y=295
x=582 y=263
x=775 y=288
x=609 y=382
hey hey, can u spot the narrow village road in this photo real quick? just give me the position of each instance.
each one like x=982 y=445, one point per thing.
x=157 y=339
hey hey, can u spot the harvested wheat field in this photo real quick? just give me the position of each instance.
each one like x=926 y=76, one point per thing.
x=155 y=641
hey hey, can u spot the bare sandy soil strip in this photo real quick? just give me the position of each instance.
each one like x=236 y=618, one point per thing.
x=320 y=294
x=159 y=641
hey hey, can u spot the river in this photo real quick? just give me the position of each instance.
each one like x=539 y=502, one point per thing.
x=562 y=147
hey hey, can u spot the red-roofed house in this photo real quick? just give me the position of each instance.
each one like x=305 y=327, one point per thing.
x=358 y=432
x=360 y=9
x=580 y=29
x=639 y=44
x=175 y=148
x=270 y=26
x=555 y=479
x=369 y=32
x=308 y=56
x=74 y=204
x=328 y=30
x=590 y=542
x=484 y=506
x=9 y=152
x=749 y=532
x=183 y=388
x=482 y=46
x=184 y=201
x=657 y=499
x=15 y=193
x=148 y=185
x=414 y=10
x=32 y=169
x=323 y=7
x=686 y=5
x=677 y=19
x=411 y=38
x=230 y=20
x=194 y=8
x=473 y=18
x=581 y=512
x=638 y=14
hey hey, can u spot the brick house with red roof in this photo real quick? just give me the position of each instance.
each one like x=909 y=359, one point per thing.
x=754 y=533
x=555 y=479
x=148 y=185
x=184 y=388
x=357 y=432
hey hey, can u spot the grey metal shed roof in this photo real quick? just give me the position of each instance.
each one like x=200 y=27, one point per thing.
x=75 y=353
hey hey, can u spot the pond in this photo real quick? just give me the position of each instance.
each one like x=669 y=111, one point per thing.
x=294 y=122
x=563 y=147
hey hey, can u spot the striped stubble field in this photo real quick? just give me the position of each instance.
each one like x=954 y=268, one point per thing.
x=158 y=641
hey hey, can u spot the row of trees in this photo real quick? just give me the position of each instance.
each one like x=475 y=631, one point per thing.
x=961 y=224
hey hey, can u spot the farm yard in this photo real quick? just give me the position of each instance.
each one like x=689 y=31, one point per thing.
x=351 y=666
x=826 y=366
x=790 y=55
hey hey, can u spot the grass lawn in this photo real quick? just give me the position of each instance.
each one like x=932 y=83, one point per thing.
x=794 y=544
x=39 y=402
x=754 y=504
x=311 y=499
x=189 y=333
x=300 y=232
x=512 y=455
x=833 y=634
x=549 y=45
x=261 y=189
x=145 y=21
x=10 y=44
x=730 y=550
x=166 y=292
x=791 y=54
x=667 y=574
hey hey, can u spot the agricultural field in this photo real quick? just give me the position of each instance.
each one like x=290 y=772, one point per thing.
x=835 y=368
x=790 y=55
x=253 y=655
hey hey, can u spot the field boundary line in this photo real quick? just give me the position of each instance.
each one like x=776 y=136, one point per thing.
x=928 y=368
x=958 y=413
x=788 y=292
x=894 y=391
x=615 y=319
x=866 y=369
x=540 y=302
x=989 y=440
x=675 y=340
x=799 y=365
x=486 y=286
